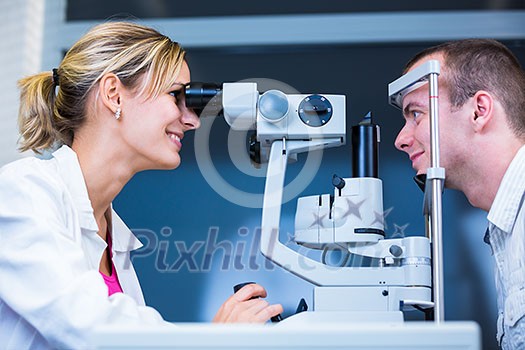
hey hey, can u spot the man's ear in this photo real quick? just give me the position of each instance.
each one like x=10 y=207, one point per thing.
x=483 y=105
x=110 y=91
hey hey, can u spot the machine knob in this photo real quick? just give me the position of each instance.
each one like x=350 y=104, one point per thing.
x=254 y=150
x=338 y=182
x=240 y=285
x=315 y=110
x=236 y=288
x=396 y=250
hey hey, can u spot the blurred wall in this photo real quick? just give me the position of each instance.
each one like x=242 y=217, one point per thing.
x=20 y=54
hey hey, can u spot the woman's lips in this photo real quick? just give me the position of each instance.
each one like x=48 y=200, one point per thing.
x=175 y=139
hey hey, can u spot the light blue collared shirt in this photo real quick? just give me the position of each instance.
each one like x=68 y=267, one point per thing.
x=507 y=239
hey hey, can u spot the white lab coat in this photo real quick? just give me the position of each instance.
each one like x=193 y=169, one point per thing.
x=51 y=292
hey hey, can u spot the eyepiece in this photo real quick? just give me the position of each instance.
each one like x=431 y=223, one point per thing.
x=204 y=98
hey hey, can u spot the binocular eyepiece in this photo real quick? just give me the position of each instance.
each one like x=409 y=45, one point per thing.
x=204 y=98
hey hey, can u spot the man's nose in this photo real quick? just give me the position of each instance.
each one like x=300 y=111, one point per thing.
x=404 y=139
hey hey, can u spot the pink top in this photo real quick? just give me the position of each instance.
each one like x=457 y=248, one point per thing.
x=112 y=281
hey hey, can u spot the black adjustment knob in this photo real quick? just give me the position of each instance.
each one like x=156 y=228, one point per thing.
x=237 y=287
x=396 y=250
x=338 y=182
x=254 y=147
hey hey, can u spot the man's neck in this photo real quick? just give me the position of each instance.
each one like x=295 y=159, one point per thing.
x=484 y=179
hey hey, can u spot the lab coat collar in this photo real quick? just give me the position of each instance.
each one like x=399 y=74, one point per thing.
x=509 y=197
x=71 y=173
x=123 y=239
x=72 y=176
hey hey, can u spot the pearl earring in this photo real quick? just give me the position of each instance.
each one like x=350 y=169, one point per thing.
x=117 y=113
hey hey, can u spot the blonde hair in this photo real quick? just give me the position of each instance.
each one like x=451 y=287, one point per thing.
x=126 y=49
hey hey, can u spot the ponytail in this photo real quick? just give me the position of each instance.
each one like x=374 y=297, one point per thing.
x=35 y=117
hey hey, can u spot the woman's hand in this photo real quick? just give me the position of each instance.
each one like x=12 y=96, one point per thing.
x=246 y=306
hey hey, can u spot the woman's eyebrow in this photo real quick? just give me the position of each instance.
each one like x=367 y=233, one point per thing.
x=180 y=84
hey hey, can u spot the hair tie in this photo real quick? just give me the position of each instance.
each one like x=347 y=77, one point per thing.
x=55 y=76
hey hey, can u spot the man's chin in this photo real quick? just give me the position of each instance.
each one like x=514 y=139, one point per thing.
x=420 y=171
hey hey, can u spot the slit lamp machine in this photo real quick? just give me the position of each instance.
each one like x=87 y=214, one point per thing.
x=351 y=218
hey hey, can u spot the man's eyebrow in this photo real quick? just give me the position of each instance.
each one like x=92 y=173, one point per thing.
x=411 y=105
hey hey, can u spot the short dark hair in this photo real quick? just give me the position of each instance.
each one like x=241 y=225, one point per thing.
x=472 y=65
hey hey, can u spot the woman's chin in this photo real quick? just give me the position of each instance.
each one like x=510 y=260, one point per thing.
x=169 y=164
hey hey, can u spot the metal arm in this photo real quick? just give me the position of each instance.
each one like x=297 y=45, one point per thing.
x=428 y=72
x=304 y=267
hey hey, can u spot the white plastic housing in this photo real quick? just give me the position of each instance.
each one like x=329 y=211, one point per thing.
x=293 y=128
x=359 y=205
x=239 y=102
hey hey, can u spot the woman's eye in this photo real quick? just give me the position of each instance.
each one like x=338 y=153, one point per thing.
x=175 y=93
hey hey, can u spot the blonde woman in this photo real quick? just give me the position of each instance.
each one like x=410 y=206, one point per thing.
x=112 y=108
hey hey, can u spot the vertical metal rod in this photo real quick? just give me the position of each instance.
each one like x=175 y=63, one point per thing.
x=436 y=204
x=428 y=225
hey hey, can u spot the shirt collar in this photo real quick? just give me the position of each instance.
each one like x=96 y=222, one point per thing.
x=123 y=239
x=505 y=207
x=71 y=173
x=72 y=176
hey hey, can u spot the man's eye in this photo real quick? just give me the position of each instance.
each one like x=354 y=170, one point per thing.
x=415 y=114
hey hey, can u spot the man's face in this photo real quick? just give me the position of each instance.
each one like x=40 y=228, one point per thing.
x=414 y=137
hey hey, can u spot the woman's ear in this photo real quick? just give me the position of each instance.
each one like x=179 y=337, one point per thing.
x=483 y=110
x=110 y=89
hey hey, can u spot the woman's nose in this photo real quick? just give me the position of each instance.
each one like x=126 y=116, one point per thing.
x=190 y=119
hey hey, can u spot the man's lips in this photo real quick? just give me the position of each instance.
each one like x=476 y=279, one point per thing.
x=416 y=155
